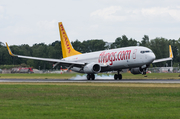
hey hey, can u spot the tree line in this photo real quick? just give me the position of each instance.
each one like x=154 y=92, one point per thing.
x=159 y=45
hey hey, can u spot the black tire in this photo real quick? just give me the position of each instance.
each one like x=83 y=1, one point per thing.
x=88 y=77
x=92 y=76
x=115 y=76
x=120 y=76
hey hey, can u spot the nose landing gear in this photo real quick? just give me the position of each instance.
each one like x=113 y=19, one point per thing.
x=144 y=72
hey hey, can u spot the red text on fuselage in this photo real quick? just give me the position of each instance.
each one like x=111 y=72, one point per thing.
x=114 y=56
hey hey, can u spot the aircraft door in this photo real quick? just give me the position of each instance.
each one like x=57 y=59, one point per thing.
x=134 y=54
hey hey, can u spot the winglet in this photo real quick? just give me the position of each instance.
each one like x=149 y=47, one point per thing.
x=170 y=52
x=9 y=50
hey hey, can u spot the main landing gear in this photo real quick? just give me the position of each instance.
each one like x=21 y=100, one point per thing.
x=117 y=76
x=90 y=76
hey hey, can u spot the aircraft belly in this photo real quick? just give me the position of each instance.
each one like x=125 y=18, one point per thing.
x=119 y=65
x=126 y=64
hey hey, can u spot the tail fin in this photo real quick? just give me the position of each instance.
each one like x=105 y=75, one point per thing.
x=67 y=49
x=170 y=52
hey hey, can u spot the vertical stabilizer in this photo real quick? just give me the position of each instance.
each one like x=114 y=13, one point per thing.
x=67 y=49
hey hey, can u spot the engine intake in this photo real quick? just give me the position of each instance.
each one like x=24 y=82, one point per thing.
x=92 y=68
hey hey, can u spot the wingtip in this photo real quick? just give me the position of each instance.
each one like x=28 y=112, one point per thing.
x=170 y=52
x=9 y=50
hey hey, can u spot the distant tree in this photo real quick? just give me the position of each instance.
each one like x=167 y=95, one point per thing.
x=160 y=47
x=132 y=42
x=2 y=44
x=123 y=42
x=89 y=45
x=145 y=41
x=175 y=45
x=77 y=45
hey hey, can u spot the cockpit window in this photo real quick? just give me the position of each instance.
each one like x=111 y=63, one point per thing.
x=147 y=51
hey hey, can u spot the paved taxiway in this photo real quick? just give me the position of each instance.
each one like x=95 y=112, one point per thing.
x=94 y=81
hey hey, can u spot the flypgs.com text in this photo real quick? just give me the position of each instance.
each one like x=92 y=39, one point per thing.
x=111 y=57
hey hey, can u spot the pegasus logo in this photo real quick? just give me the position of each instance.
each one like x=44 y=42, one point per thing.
x=64 y=36
x=111 y=57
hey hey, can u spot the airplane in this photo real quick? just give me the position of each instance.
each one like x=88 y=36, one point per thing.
x=135 y=58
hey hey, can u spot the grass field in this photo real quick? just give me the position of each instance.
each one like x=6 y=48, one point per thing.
x=70 y=75
x=38 y=76
x=70 y=100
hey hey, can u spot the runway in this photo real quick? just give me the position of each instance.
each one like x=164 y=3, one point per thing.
x=93 y=81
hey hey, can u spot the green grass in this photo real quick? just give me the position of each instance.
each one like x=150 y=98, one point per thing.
x=90 y=102
x=38 y=76
x=152 y=76
x=70 y=75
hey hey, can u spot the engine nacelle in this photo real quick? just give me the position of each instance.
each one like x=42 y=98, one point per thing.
x=92 y=68
x=136 y=71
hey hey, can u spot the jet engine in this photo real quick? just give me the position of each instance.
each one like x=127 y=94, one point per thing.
x=139 y=70
x=136 y=70
x=92 y=68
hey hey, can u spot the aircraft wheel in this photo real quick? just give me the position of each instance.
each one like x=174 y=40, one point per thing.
x=90 y=76
x=120 y=76
x=115 y=76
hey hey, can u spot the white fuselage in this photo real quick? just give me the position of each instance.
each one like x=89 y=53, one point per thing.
x=116 y=59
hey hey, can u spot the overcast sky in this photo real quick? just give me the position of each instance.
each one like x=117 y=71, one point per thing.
x=36 y=21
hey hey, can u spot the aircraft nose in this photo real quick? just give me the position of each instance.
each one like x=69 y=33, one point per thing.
x=152 y=56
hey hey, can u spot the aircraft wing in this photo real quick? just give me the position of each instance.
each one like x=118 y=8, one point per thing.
x=59 y=61
x=161 y=60
x=165 y=59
